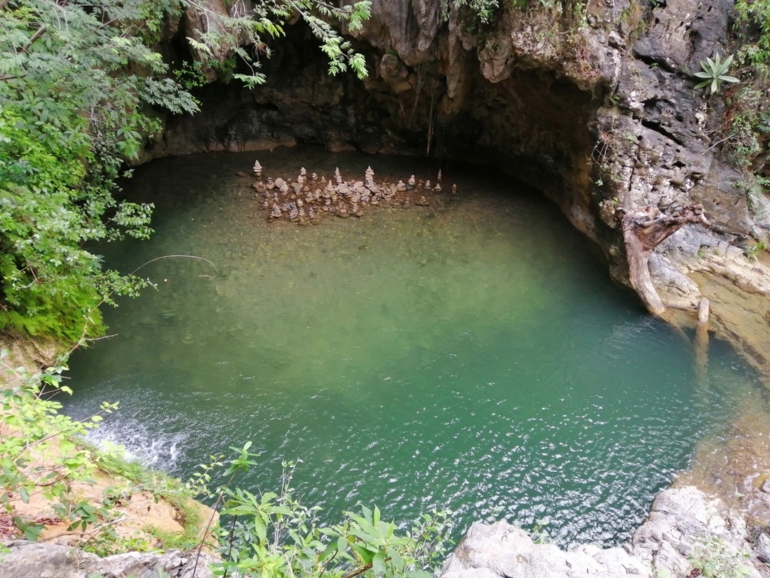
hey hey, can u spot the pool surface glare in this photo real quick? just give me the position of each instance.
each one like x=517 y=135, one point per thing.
x=473 y=356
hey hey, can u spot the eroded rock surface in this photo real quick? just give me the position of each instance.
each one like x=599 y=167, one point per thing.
x=39 y=560
x=682 y=520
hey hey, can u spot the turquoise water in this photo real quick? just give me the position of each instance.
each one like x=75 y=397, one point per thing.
x=470 y=355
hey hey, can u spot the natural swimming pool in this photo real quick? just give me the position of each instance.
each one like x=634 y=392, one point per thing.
x=470 y=355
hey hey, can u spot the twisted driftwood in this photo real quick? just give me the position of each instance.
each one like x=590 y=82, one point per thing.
x=642 y=232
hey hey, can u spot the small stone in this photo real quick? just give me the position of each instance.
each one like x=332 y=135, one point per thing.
x=423 y=202
x=765 y=487
x=257 y=169
x=411 y=182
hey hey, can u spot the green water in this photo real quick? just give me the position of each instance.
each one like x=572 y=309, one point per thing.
x=471 y=356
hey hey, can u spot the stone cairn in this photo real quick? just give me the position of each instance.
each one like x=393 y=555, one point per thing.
x=307 y=201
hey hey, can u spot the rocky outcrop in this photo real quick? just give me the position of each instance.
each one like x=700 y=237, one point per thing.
x=38 y=560
x=684 y=531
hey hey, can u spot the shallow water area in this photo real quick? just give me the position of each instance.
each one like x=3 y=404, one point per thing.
x=470 y=355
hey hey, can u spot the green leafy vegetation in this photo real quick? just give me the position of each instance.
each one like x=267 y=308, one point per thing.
x=43 y=456
x=78 y=82
x=479 y=17
x=746 y=131
x=273 y=534
x=752 y=251
x=713 y=558
x=715 y=72
x=39 y=454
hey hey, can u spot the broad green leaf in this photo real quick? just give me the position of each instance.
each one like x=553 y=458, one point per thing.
x=378 y=564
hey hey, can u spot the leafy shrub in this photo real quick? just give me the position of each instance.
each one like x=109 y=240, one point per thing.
x=39 y=453
x=273 y=535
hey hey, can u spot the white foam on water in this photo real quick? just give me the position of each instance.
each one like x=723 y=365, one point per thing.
x=162 y=451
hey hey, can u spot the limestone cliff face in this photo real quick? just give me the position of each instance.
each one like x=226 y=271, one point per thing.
x=598 y=110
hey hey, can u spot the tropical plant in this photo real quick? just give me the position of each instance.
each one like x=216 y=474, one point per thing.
x=715 y=73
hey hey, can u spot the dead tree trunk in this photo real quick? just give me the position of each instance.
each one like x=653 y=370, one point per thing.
x=702 y=342
x=642 y=233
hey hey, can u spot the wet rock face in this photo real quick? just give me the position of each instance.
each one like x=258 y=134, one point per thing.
x=680 y=525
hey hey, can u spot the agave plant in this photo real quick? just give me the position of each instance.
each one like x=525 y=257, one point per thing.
x=715 y=73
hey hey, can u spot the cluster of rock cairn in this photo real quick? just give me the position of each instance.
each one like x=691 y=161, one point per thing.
x=307 y=199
